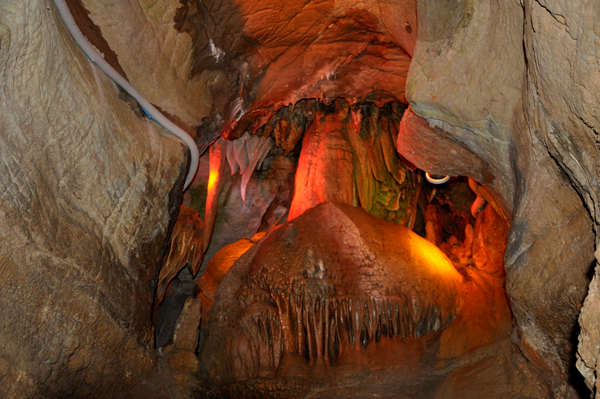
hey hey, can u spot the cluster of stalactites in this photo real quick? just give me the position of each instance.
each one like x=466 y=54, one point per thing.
x=381 y=183
x=348 y=156
x=247 y=154
x=319 y=328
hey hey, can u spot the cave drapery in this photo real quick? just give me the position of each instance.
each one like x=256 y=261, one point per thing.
x=320 y=95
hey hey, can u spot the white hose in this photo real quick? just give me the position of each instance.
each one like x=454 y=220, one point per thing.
x=97 y=59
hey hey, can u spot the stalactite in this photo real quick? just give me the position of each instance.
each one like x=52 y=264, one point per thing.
x=247 y=154
x=317 y=325
x=185 y=249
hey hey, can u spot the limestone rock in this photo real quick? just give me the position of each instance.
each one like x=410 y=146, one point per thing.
x=156 y=57
x=236 y=218
x=519 y=115
x=274 y=56
x=325 y=301
x=562 y=101
x=185 y=337
x=588 y=352
x=325 y=168
x=88 y=193
x=185 y=249
x=489 y=241
x=220 y=264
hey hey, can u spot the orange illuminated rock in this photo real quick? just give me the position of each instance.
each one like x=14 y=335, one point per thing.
x=185 y=249
x=277 y=54
x=326 y=166
x=337 y=294
x=346 y=296
x=348 y=157
x=220 y=264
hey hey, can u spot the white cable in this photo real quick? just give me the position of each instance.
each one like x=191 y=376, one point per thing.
x=155 y=114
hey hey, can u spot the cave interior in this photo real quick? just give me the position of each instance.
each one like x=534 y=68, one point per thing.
x=313 y=199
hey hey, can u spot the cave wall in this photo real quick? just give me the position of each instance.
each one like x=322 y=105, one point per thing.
x=502 y=92
x=159 y=58
x=562 y=103
x=466 y=79
x=88 y=193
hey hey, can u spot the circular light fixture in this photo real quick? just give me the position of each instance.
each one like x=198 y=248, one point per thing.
x=436 y=179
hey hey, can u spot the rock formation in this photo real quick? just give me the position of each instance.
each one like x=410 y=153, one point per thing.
x=89 y=194
x=504 y=93
x=318 y=310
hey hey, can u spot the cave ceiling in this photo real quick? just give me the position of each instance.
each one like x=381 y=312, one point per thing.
x=278 y=54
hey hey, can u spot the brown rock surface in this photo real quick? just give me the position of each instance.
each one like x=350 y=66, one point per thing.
x=504 y=92
x=88 y=193
x=236 y=218
x=562 y=102
x=520 y=114
x=466 y=79
x=186 y=330
x=220 y=264
x=348 y=157
x=489 y=241
x=309 y=310
x=325 y=168
x=276 y=54
x=156 y=57
x=437 y=151
x=185 y=249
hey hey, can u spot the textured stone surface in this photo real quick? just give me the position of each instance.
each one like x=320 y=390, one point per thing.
x=466 y=78
x=439 y=152
x=272 y=54
x=563 y=99
x=588 y=354
x=88 y=192
x=236 y=218
x=548 y=259
x=185 y=249
x=562 y=103
x=489 y=241
x=315 y=301
x=326 y=166
x=156 y=57
x=180 y=358
x=348 y=157
x=511 y=86
x=186 y=330
x=220 y=264
x=524 y=113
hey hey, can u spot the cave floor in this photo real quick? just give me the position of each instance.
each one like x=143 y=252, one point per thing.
x=495 y=371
